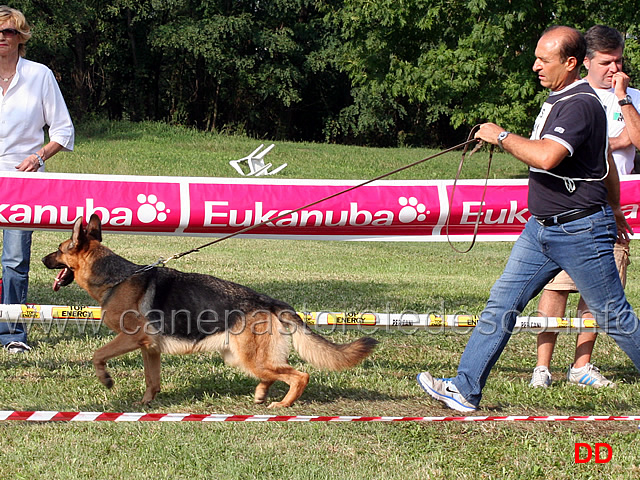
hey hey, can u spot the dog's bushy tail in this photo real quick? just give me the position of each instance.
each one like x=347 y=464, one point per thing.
x=320 y=352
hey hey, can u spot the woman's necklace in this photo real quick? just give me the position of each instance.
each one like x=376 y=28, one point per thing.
x=8 y=78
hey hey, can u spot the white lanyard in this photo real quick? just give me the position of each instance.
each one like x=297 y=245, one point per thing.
x=569 y=182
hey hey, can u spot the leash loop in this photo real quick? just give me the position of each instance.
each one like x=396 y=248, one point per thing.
x=484 y=191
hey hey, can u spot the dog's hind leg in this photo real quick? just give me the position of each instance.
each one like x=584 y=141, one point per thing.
x=269 y=374
x=151 y=360
x=262 y=350
x=262 y=390
x=296 y=380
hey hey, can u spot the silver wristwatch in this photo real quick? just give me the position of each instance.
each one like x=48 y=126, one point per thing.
x=501 y=137
x=625 y=101
x=40 y=160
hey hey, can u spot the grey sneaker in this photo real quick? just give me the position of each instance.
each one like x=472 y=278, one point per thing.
x=541 y=377
x=443 y=390
x=17 y=347
x=588 y=376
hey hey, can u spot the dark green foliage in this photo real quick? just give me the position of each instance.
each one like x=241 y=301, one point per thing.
x=454 y=63
x=376 y=72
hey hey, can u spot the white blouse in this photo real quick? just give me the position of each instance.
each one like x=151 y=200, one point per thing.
x=32 y=100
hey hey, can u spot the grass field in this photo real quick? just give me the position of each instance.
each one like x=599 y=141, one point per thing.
x=58 y=375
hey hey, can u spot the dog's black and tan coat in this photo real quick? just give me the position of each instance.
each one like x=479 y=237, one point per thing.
x=161 y=310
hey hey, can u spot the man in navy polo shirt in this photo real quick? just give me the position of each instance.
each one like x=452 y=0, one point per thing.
x=576 y=219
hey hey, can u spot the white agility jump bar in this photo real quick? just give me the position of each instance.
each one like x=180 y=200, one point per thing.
x=60 y=317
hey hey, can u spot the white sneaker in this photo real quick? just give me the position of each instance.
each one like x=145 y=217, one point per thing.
x=17 y=347
x=588 y=376
x=443 y=390
x=541 y=377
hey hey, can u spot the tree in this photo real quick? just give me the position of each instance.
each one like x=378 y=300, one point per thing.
x=376 y=72
x=449 y=64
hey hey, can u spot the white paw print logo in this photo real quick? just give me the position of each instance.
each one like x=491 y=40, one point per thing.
x=151 y=209
x=411 y=210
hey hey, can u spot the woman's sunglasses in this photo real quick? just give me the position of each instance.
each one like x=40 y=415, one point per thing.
x=9 y=32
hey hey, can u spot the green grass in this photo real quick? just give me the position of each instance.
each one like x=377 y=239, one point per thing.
x=158 y=149
x=58 y=375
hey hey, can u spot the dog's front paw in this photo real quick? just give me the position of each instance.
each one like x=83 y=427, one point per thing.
x=278 y=405
x=106 y=380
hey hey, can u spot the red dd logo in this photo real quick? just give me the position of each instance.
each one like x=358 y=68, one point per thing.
x=585 y=449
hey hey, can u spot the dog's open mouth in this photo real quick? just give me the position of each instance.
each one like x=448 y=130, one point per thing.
x=64 y=278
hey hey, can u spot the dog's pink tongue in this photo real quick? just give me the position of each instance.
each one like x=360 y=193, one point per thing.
x=58 y=279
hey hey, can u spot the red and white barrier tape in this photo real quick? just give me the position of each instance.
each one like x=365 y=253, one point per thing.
x=45 y=416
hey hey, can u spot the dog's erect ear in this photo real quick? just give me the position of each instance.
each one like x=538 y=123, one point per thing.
x=78 y=236
x=94 y=229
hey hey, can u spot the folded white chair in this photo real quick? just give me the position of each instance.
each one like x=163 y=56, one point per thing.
x=255 y=163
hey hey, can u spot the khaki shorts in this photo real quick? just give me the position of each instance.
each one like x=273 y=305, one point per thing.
x=563 y=282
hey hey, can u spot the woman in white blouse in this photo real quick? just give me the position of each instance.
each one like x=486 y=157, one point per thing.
x=30 y=99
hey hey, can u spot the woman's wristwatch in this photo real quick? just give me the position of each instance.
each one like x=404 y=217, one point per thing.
x=40 y=160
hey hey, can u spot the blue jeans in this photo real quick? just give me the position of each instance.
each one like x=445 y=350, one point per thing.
x=16 y=256
x=584 y=249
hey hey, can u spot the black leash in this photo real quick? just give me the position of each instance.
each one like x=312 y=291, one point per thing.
x=470 y=140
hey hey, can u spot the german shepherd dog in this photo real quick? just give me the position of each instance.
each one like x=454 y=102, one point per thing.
x=161 y=310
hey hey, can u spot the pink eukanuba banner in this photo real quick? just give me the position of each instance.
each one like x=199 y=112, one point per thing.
x=202 y=206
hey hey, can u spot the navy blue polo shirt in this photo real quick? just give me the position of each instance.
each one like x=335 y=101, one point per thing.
x=575 y=118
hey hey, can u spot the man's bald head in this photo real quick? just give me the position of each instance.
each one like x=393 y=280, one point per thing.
x=570 y=41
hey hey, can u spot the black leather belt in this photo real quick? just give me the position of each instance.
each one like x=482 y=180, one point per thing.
x=567 y=217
